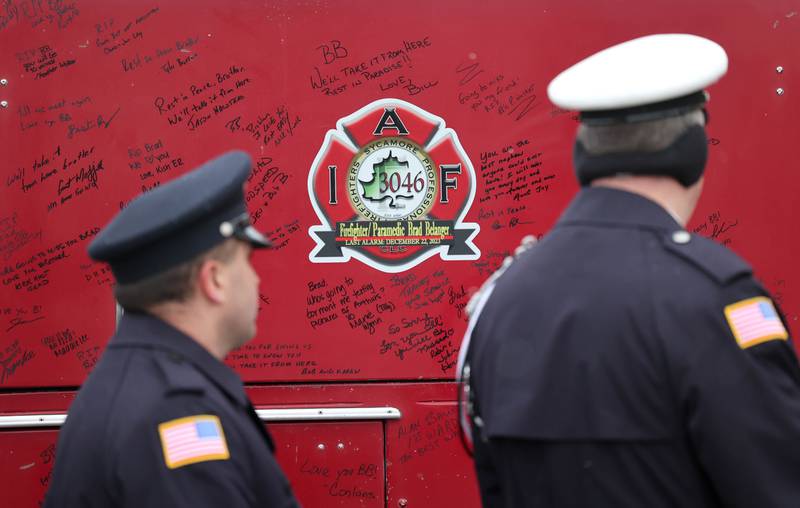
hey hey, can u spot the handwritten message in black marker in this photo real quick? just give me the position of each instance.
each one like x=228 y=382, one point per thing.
x=43 y=62
x=73 y=115
x=178 y=55
x=264 y=184
x=102 y=121
x=717 y=227
x=349 y=481
x=490 y=261
x=64 y=342
x=458 y=298
x=406 y=83
x=53 y=113
x=12 y=358
x=152 y=161
x=63 y=176
x=47 y=458
x=32 y=272
x=495 y=93
x=44 y=167
x=35 y=13
x=418 y=292
x=321 y=303
x=67 y=342
x=282 y=235
x=89 y=356
x=361 y=305
x=280 y=355
x=511 y=173
x=425 y=335
x=267 y=128
x=503 y=217
x=341 y=487
x=390 y=69
x=79 y=176
x=111 y=34
x=97 y=273
x=427 y=434
x=196 y=104
x=13 y=237
x=20 y=316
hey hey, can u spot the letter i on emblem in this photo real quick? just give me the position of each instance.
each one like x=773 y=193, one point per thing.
x=332 y=184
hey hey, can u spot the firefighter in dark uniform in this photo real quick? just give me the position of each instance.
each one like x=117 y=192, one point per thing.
x=622 y=361
x=161 y=421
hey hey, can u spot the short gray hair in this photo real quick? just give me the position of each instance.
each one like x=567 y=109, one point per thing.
x=650 y=136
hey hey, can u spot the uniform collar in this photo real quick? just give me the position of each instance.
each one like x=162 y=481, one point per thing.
x=613 y=207
x=146 y=331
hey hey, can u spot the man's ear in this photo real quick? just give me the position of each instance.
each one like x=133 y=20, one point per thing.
x=210 y=281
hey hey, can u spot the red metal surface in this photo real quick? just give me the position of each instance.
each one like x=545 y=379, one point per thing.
x=348 y=471
x=418 y=458
x=333 y=464
x=425 y=462
x=26 y=462
x=107 y=113
x=109 y=98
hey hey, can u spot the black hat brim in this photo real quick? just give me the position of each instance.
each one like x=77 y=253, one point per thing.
x=252 y=236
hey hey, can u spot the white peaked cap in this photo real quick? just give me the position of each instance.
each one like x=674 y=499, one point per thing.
x=642 y=71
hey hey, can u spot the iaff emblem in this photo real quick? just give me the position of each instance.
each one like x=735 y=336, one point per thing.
x=391 y=186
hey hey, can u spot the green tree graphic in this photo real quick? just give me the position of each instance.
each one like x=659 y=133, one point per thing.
x=387 y=181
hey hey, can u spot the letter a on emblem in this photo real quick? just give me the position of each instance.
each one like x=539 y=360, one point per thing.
x=390 y=120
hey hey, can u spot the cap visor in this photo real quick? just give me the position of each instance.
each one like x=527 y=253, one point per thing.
x=256 y=239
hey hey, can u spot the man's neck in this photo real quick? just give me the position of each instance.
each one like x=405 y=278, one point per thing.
x=194 y=323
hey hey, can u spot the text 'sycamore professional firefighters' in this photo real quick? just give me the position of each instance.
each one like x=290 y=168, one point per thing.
x=622 y=361
x=161 y=421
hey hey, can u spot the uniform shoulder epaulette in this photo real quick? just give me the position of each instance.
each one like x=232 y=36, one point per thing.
x=180 y=375
x=718 y=262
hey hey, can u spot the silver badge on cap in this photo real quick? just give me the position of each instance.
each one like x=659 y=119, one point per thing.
x=226 y=229
x=681 y=237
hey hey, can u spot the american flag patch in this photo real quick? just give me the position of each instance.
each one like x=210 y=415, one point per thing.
x=754 y=321
x=192 y=439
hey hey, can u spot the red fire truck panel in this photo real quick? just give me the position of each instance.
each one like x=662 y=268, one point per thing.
x=401 y=151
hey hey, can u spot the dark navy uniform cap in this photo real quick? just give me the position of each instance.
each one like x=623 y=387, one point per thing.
x=177 y=221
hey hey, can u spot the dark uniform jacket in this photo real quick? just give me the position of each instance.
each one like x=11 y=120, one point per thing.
x=110 y=452
x=604 y=362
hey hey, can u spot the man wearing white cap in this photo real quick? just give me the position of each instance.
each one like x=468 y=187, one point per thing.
x=622 y=361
